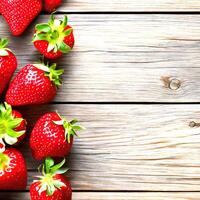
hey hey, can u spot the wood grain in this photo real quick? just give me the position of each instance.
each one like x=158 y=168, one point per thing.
x=127 y=62
x=126 y=58
x=129 y=5
x=130 y=147
x=116 y=196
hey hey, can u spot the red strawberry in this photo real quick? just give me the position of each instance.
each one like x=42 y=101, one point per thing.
x=52 y=185
x=20 y=13
x=34 y=84
x=52 y=136
x=51 y=5
x=8 y=64
x=54 y=38
x=12 y=126
x=13 y=172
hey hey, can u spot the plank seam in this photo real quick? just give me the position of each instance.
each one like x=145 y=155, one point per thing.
x=126 y=12
x=127 y=103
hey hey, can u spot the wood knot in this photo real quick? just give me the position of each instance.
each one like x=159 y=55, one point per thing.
x=171 y=83
x=193 y=124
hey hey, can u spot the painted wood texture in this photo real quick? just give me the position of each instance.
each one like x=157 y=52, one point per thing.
x=116 y=196
x=130 y=147
x=129 y=5
x=133 y=62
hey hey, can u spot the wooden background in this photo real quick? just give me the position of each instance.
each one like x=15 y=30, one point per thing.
x=133 y=81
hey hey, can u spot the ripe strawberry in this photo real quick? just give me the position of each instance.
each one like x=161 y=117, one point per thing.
x=52 y=136
x=8 y=64
x=12 y=126
x=51 y=5
x=20 y=13
x=52 y=185
x=13 y=172
x=54 y=38
x=34 y=84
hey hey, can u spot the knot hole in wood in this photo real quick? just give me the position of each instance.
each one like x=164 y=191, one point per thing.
x=171 y=83
x=194 y=124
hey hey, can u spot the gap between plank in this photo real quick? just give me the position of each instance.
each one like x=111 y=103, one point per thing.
x=126 y=12
x=127 y=103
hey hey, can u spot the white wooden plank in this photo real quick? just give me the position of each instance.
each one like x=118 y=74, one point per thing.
x=131 y=147
x=126 y=58
x=114 y=196
x=130 y=5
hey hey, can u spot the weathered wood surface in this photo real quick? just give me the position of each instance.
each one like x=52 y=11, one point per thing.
x=115 y=196
x=131 y=147
x=127 y=58
x=129 y=5
x=127 y=63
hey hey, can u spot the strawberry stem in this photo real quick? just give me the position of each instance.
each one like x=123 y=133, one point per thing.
x=51 y=72
x=70 y=127
x=8 y=124
x=54 y=33
x=3 y=45
x=3 y=42
x=49 y=170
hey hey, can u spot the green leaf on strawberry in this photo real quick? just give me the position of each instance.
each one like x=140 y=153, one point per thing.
x=3 y=45
x=47 y=182
x=8 y=125
x=54 y=32
x=43 y=28
x=51 y=72
x=70 y=127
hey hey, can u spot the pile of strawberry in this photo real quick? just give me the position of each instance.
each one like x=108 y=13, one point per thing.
x=52 y=136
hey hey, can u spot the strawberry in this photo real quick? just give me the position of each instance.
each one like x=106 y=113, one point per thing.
x=8 y=64
x=34 y=84
x=54 y=38
x=12 y=126
x=20 y=13
x=52 y=184
x=51 y=5
x=52 y=136
x=13 y=171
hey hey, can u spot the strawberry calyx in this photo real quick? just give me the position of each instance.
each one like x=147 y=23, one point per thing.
x=8 y=124
x=51 y=72
x=54 y=33
x=4 y=161
x=70 y=127
x=48 y=182
x=3 y=45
